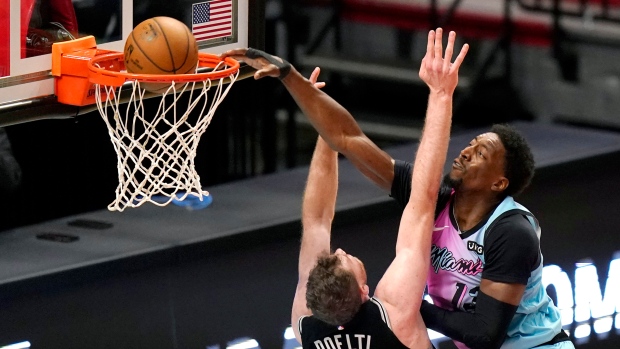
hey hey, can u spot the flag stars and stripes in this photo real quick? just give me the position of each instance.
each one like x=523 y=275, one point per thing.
x=212 y=19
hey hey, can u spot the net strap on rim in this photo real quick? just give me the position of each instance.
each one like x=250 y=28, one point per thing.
x=156 y=147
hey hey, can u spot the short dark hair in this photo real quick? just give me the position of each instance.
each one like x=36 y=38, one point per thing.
x=519 y=162
x=332 y=293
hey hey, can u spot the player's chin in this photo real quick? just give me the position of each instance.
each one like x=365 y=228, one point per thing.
x=455 y=173
x=455 y=177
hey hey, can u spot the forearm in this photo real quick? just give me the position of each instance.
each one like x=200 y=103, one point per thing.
x=426 y=177
x=333 y=122
x=340 y=130
x=486 y=328
x=319 y=200
x=318 y=207
x=431 y=154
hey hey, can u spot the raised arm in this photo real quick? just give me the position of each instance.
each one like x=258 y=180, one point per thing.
x=333 y=122
x=317 y=213
x=402 y=286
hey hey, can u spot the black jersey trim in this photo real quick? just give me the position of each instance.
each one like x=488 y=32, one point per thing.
x=464 y=234
x=384 y=314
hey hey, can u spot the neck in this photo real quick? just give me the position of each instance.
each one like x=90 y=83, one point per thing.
x=471 y=208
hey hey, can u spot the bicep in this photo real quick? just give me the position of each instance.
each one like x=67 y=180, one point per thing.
x=314 y=242
x=402 y=285
x=404 y=280
x=400 y=291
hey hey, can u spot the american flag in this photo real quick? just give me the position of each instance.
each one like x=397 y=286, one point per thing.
x=212 y=19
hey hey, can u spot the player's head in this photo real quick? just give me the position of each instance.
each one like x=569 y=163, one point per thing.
x=518 y=159
x=499 y=161
x=336 y=288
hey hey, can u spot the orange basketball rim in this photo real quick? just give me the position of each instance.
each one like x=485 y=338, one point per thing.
x=78 y=65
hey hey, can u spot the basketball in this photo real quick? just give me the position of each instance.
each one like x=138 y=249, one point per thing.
x=160 y=45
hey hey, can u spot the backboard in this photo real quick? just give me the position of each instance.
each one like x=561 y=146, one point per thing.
x=29 y=27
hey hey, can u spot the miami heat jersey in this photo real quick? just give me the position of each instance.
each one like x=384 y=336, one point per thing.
x=457 y=265
x=503 y=247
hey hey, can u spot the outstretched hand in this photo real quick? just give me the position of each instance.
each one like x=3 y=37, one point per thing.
x=437 y=69
x=264 y=63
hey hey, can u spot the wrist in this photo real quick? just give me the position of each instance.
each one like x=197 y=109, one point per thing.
x=441 y=94
x=295 y=80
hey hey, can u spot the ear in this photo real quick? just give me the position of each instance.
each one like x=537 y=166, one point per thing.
x=365 y=291
x=500 y=185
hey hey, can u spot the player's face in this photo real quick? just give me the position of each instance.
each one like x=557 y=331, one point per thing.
x=480 y=163
x=352 y=264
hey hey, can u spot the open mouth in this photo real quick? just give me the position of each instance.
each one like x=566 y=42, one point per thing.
x=457 y=164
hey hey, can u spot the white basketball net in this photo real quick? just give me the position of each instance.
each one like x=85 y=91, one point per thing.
x=156 y=151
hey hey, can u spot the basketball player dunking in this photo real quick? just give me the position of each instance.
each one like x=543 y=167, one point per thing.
x=332 y=307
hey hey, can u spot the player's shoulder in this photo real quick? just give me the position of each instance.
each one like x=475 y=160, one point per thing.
x=515 y=219
x=512 y=226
